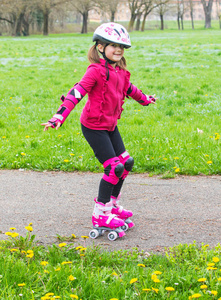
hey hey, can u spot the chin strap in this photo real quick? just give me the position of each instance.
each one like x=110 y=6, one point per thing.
x=108 y=61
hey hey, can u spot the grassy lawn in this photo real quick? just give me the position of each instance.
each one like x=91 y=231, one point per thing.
x=179 y=135
x=72 y=271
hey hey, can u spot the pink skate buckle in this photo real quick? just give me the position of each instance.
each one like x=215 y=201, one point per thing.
x=131 y=224
x=122 y=233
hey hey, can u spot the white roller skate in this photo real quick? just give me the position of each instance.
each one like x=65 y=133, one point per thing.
x=122 y=213
x=103 y=220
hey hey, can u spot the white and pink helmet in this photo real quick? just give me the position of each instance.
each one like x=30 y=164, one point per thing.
x=112 y=33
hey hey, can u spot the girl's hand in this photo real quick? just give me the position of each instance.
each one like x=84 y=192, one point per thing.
x=48 y=124
x=153 y=99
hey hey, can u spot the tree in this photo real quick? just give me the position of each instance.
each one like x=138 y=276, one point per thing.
x=108 y=6
x=191 y=5
x=218 y=11
x=83 y=7
x=135 y=7
x=45 y=6
x=207 y=7
x=161 y=9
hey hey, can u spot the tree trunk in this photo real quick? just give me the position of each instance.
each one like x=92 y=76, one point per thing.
x=138 y=22
x=18 y=27
x=112 y=16
x=45 y=21
x=132 y=21
x=84 y=24
x=182 y=25
x=178 y=21
x=191 y=15
x=207 y=11
x=144 y=21
x=219 y=21
x=161 y=22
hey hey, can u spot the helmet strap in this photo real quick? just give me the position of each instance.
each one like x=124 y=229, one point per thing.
x=105 y=57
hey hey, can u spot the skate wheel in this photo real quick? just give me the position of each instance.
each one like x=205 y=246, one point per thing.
x=125 y=227
x=94 y=234
x=112 y=236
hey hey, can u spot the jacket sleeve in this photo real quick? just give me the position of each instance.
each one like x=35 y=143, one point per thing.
x=138 y=95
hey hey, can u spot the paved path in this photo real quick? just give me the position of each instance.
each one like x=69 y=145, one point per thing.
x=166 y=212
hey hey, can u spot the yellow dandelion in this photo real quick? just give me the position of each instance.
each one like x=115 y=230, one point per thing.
x=211 y=268
x=114 y=274
x=44 y=263
x=58 y=269
x=4 y=137
x=215 y=259
x=78 y=247
x=201 y=279
x=21 y=284
x=177 y=170
x=203 y=287
x=146 y=290
x=74 y=296
x=157 y=272
x=13 y=228
x=73 y=236
x=23 y=154
x=197 y=295
x=169 y=289
x=49 y=294
x=72 y=154
x=66 y=262
x=211 y=264
x=84 y=237
x=214 y=293
x=133 y=280
x=113 y=299
x=176 y=157
x=62 y=245
x=209 y=162
x=29 y=228
x=57 y=297
x=14 y=234
x=14 y=250
x=66 y=160
x=219 y=279
x=155 y=290
x=141 y=265
x=27 y=136
x=8 y=233
x=71 y=278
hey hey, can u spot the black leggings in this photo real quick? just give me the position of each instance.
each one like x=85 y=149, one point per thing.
x=106 y=145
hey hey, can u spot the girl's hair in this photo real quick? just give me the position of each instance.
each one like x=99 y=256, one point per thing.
x=94 y=58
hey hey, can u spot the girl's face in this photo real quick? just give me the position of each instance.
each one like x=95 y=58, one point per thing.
x=113 y=51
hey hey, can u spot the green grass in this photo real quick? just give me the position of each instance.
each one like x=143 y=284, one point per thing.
x=29 y=271
x=181 y=67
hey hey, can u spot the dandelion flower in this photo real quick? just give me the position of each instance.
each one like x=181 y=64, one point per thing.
x=201 y=279
x=29 y=228
x=58 y=269
x=214 y=293
x=210 y=264
x=14 y=234
x=169 y=289
x=14 y=250
x=177 y=170
x=215 y=259
x=12 y=228
x=203 y=287
x=74 y=296
x=62 y=245
x=133 y=280
x=197 y=295
x=8 y=233
x=21 y=284
x=114 y=274
x=66 y=262
x=219 y=279
x=44 y=263
x=84 y=236
x=209 y=162
x=71 y=278
x=66 y=160
x=141 y=265
x=73 y=236
x=155 y=290
x=113 y=299
x=157 y=272
x=146 y=290
x=23 y=154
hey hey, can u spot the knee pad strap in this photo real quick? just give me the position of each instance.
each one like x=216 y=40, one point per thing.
x=128 y=163
x=113 y=170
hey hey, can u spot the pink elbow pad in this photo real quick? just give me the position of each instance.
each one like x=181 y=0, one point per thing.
x=145 y=100
x=76 y=94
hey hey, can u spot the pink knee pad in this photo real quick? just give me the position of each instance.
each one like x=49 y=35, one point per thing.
x=128 y=163
x=113 y=170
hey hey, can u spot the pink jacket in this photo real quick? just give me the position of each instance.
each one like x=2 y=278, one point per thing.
x=105 y=97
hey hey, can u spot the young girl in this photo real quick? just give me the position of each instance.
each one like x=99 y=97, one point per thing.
x=107 y=83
